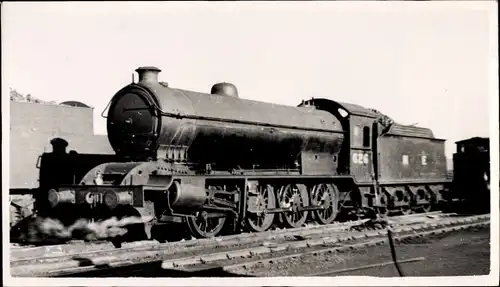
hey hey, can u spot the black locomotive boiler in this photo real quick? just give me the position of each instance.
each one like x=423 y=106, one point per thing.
x=213 y=162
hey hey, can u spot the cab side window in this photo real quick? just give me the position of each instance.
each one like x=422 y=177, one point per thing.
x=366 y=137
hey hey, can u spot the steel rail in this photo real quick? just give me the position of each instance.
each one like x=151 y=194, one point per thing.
x=114 y=261
x=207 y=267
x=230 y=239
x=347 y=245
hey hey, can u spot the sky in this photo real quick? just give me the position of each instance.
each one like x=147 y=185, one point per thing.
x=420 y=63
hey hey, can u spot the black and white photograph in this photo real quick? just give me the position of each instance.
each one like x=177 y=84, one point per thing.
x=250 y=143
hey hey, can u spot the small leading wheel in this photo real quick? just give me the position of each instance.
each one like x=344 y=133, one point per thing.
x=257 y=219
x=205 y=226
x=293 y=196
x=327 y=196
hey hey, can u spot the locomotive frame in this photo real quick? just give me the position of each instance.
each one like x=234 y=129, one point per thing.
x=343 y=158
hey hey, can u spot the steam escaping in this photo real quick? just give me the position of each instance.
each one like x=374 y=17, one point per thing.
x=49 y=231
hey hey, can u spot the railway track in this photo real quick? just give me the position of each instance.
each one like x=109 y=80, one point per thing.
x=236 y=251
x=40 y=252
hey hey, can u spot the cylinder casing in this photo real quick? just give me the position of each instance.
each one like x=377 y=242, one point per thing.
x=187 y=195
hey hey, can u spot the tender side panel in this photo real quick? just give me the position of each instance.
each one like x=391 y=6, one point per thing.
x=65 y=169
x=32 y=128
x=51 y=118
x=411 y=159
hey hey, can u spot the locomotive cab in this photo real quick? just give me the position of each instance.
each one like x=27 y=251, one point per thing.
x=471 y=172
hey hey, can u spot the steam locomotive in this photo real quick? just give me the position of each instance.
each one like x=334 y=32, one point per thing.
x=471 y=174
x=202 y=164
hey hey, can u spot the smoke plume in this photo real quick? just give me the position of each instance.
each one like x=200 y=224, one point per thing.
x=39 y=230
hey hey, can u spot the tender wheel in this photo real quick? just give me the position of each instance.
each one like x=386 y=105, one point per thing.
x=326 y=195
x=426 y=208
x=429 y=196
x=384 y=208
x=406 y=210
x=293 y=196
x=257 y=220
x=204 y=226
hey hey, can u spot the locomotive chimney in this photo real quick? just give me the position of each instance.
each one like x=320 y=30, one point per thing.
x=225 y=89
x=148 y=74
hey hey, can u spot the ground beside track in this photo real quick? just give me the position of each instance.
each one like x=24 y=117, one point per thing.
x=19 y=252
x=455 y=253
x=153 y=262
x=460 y=253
